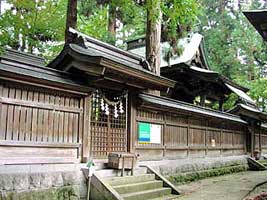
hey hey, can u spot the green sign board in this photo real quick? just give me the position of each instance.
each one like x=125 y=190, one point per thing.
x=149 y=133
x=143 y=132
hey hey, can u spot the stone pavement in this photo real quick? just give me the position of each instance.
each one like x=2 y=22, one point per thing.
x=228 y=187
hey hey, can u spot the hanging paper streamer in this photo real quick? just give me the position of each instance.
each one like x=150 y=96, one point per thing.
x=121 y=107
x=102 y=104
x=117 y=104
x=116 y=112
x=106 y=109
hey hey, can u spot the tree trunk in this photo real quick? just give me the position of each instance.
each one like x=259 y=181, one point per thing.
x=222 y=6
x=71 y=20
x=153 y=35
x=112 y=24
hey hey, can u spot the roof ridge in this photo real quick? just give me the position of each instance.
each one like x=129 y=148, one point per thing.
x=108 y=46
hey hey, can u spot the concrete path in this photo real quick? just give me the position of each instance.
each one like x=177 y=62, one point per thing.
x=228 y=187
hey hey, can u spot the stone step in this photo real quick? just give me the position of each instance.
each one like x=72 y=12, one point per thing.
x=167 y=197
x=135 y=187
x=114 y=181
x=101 y=164
x=113 y=173
x=147 y=194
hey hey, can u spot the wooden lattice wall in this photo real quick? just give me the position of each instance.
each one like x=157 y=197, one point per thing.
x=39 y=125
x=108 y=134
x=190 y=136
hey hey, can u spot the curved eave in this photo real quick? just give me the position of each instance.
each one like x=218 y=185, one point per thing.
x=81 y=55
x=247 y=111
x=174 y=105
x=258 y=18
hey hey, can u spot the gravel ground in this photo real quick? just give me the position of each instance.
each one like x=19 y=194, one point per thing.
x=228 y=187
x=259 y=193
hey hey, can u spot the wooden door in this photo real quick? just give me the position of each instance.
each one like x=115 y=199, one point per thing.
x=108 y=133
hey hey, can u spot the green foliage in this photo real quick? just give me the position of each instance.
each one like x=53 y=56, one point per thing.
x=194 y=176
x=93 y=19
x=33 y=26
x=258 y=92
x=178 y=14
x=177 y=17
x=234 y=47
x=230 y=102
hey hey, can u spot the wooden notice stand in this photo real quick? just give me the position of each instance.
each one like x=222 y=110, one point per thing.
x=122 y=161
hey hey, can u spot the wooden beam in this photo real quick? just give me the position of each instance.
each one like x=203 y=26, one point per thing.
x=42 y=85
x=45 y=106
x=38 y=144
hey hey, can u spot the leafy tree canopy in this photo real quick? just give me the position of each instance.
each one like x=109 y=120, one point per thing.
x=33 y=26
x=234 y=47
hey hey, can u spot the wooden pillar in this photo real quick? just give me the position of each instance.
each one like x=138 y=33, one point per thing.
x=163 y=135
x=2 y=132
x=252 y=141
x=245 y=139
x=260 y=140
x=86 y=129
x=187 y=138
x=206 y=139
x=131 y=128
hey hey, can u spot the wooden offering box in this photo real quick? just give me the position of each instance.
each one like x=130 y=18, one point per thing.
x=122 y=160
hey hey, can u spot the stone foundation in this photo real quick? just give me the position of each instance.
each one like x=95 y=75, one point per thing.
x=171 y=167
x=45 y=182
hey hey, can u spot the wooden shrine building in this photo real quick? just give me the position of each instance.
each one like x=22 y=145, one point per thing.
x=92 y=99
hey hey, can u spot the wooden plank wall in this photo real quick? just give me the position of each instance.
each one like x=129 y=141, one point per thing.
x=39 y=125
x=189 y=136
x=261 y=140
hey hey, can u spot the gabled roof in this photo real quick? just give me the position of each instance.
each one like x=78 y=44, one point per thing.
x=99 y=59
x=194 y=75
x=190 y=45
x=258 y=18
x=14 y=56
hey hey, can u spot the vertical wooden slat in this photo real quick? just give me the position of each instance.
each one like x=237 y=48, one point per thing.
x=61 y=122
x=71 y=122
x=46 y=120
x=51 y=119
x=40 y=126
x=10 y=118
x=34 y=118
x=29 y=118
x=66 y=121
x=56 y=121
x=75 y=123
x=16 y=121
x=23 y=123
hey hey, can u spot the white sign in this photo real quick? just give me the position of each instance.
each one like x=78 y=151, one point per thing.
x=155 y=134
